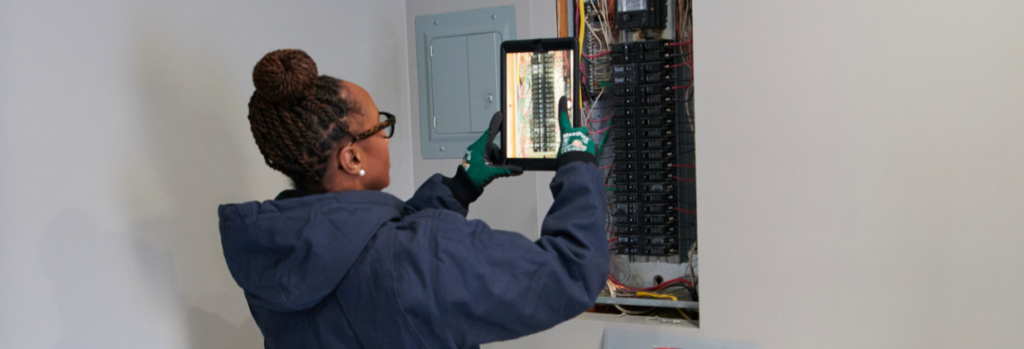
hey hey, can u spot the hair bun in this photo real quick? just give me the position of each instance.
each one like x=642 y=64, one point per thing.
x=284 y=76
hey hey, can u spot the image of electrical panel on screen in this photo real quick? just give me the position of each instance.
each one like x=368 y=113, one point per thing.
x=637 y=84
x=536 y=81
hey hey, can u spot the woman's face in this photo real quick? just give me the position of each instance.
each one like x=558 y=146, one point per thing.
x=364 y=116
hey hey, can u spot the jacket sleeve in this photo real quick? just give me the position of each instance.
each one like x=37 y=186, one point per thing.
x=495 y=285
x=434 y=193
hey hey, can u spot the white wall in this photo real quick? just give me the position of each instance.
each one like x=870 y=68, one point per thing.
x=860 y=175
x=861 y=172
x=122 y=127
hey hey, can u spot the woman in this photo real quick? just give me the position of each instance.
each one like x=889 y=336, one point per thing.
x=336 y=263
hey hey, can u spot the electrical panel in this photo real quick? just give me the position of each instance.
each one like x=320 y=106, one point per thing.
x=544 y=113
x=458 y=63
x=637 y=96
x=654 y=196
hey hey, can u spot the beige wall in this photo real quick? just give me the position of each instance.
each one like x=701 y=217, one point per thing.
x=860 y=178
x=122 y=127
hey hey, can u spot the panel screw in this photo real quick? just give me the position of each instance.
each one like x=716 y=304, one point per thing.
x=435 y=22
x=494 y=16
x=442 y=148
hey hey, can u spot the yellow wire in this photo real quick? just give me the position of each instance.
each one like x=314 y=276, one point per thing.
x=658 y=295
x=583 y=16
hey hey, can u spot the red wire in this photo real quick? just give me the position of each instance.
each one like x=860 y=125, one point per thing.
x=613 y=239
x=602 y=119
x=604 y=167
x=601 y=131
x=681 y=43
x=685 y=211
x=679 y=87
x=682 y=165
x=597 y=55
x=680 y=65
x=685 y=179
x=583 y=76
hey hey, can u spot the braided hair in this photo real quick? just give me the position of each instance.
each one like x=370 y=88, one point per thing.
x=297 y=116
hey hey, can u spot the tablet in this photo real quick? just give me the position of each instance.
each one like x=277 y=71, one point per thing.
x=535 y=75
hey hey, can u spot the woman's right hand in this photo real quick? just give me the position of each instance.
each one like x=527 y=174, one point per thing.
x=573 y=138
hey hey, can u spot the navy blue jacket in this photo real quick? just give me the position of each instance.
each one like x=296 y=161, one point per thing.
x=362 y=269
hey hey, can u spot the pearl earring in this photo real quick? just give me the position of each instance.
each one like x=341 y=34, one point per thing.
x=362 y=173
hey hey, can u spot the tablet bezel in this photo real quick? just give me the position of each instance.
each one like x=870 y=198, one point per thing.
x=537 y=46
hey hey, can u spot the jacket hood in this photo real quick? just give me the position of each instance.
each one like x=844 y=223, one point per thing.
x=289 y=254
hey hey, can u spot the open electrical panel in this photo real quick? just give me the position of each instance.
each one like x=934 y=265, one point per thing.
x=637 y=68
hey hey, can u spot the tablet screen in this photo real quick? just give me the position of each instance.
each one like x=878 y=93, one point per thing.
x=536 y=81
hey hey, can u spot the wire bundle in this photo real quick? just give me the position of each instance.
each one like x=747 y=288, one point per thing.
x=617 y=289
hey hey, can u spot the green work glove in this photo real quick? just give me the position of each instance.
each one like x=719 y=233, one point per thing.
x=477 y=169
x=476 y=162
x=573 y=138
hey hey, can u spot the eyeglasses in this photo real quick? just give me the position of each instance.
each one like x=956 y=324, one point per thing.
x=386 y=125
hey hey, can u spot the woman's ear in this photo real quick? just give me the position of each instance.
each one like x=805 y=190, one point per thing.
x=350 y=160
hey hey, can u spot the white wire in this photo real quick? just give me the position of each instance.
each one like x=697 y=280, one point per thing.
x=603 y=19
x=593 y=34
x=611 y=292
x=595 y=104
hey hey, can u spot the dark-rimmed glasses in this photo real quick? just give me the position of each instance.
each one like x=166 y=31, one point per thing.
x=387 y=124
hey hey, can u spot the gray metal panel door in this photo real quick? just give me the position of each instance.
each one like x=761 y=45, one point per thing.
x=449 y=84
x=457 y=64
x=484 y=81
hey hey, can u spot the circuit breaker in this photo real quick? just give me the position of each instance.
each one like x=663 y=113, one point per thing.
x=641 y=14
x=654 y=212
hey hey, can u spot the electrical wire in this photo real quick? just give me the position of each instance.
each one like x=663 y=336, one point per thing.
x=653 y=288
x=664 y=296
x=601 y=130
x=602 y=119
x=612 y=292
x=583 y=23
x=657 y=295
x=595 y=103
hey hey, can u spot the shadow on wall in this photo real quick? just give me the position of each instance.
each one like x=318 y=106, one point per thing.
x=187 y=168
